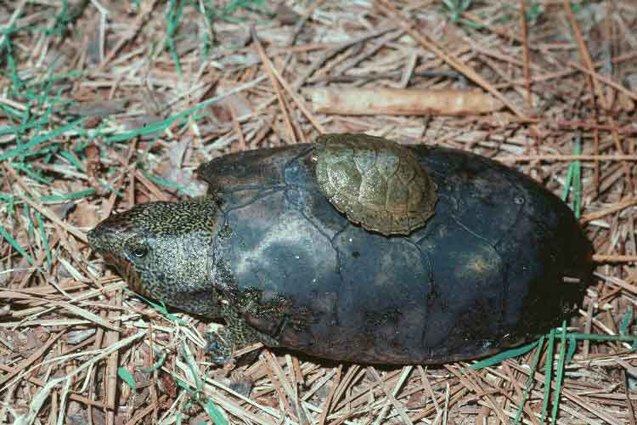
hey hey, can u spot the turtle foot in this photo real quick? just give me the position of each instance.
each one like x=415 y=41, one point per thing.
x=219 y=346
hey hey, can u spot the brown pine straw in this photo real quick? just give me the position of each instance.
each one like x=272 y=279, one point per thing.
x=600 y=258
x=569 y=72
x=619 y=206
x=269 y=68
x=453 y=61
x=569 y=158
x=596 y=87
x=526 y=55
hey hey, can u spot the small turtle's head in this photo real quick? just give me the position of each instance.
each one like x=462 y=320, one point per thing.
x=163 y=250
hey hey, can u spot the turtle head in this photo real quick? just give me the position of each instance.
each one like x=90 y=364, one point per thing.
x=163 y=250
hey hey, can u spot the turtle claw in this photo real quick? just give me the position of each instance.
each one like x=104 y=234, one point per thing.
x=219 y=348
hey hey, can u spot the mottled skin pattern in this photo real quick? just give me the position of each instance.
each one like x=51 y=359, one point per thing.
x=163 y=250
x=375 y=182
x=145 y=242
x=281 y=265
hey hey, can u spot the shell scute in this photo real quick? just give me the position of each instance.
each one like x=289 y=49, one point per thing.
x=364 y=160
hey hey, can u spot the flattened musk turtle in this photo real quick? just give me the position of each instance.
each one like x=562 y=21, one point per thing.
x=478 y=266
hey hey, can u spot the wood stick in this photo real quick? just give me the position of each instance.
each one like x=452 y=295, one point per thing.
x=600 y=258
x=388 y=101
x=450 y=59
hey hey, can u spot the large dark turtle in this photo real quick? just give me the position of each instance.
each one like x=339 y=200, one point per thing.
x=269 y=253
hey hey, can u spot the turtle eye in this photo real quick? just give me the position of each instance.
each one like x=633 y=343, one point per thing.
x=139 y=252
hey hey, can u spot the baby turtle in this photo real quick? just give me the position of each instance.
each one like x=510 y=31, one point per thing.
x=375 y=182
x=271 y=255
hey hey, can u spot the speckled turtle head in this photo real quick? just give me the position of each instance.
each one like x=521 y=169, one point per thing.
x=163 y=250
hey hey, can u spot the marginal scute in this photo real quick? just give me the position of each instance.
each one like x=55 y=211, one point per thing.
x=375 y=182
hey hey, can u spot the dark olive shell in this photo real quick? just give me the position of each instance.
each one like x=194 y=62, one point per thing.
x=486 y=272
x=375 y=182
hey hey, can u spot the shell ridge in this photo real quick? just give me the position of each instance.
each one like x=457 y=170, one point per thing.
x=261 y=195
x=518 y=215
x=477 y=235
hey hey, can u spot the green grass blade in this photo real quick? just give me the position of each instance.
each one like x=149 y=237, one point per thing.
x=68 y=196
x=559 y=375
x=162 y=125
x=40 y=139
x=73 y=160
x=18 y=129
x=12 y=114
x=498 y=358
x=16 y=83
x=161 y=308
x=8 y=199
x=164 y=182
x=192 y=364
x=529 y=381
x=127 y=377
x=595 y=337
x=154 y=127
x=159 y=363
x=35 y=176
x=548 y=374
x=215 y=414
x=16 y=245
x=172 y=17
x=626 y=321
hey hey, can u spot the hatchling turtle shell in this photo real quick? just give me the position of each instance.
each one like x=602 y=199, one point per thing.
x=375 y=182
x=273 y=257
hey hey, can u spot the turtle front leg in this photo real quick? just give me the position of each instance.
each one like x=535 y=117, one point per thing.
x=235 y=335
